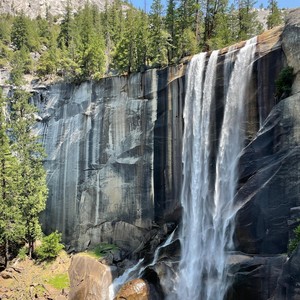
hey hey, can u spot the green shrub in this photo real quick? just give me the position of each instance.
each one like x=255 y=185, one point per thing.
x=50 y=246
x=102 y=249
x=295 y=241
x=284 y=83
x=60 y=281
x=23 y=253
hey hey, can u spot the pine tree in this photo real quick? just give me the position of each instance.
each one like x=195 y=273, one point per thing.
x=21 y=64
x=66 y=28
x=159 y=37
x=32 y=177
x=91 y=43
x=248 y=24
x=215 y=20
x=187 y=18
x=171 y=24
x=20 y=32
x=127 y=56
x=275 y=16
x=11 y=225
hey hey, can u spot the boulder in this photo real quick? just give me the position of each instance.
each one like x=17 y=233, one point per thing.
x=254 y=277
x=136 y=289
x=290 y=45
x=288 y=285
x=89 y=279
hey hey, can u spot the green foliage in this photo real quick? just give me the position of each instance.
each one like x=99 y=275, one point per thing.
x=60 y=281
x=11 y=223
x=284 y=83
x=275 y=17
x=295 y=241
x=50 y=247
x=47 y=63
x=102 y=249
x=21 y=63
x=91 y=43
x=20 y=32
x=23 y=253
x=5 y=55
x=248 y=24
x=32 y=176
x=5 y=29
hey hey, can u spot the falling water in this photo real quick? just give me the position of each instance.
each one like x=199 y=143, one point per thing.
x=207 y=206
x=128 y=275
x=137 y=270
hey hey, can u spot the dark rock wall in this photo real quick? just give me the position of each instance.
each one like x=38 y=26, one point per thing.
x=114 y=156
x=168 y=133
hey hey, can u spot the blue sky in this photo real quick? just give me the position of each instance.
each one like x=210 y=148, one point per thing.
x=281 y=3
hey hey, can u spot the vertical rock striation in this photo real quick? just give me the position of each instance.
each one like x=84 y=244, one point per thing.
x=101 y=139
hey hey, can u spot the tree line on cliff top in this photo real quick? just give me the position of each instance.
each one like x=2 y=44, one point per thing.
x=90 y=44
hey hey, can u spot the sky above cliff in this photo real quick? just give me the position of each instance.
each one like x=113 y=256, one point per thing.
x=281 y=3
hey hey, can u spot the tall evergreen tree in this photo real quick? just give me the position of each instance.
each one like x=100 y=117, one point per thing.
x=159 y=37
x=66 y=28
x=171 y=24
x=275 y=16
x=187 y=18
x=20 y=32
x=21 y=64
x=11 y=225
x=215 y=12
x=32 y=176
x=127 y=57
x=248 y=23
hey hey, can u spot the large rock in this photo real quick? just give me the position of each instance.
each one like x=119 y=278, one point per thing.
x=254 y=277
x=288 y=286
x=89 y=279
x=290 y=45
x=270 y=179
x=136 y=289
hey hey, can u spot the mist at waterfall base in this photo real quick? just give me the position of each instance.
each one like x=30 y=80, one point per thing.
x=209 y=179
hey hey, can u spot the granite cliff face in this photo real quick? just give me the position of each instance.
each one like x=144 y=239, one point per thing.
x=114 y=162
x=104 y=141
x=34 y=8
x=114 y=148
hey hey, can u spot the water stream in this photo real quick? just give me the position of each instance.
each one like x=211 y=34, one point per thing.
x=207 y=200
x=136 y=271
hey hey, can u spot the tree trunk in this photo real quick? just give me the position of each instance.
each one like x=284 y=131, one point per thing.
x=6 y=254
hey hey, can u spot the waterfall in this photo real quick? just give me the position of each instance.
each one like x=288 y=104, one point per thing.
x=137 y=270
x=207 y=200
x=128 y=275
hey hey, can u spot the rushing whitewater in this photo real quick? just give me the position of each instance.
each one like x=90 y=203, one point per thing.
x=207 y=199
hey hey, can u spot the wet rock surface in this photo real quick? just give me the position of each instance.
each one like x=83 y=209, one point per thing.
x=254 y=277
x=270 y=170
x=137 y=289
x=289 y=281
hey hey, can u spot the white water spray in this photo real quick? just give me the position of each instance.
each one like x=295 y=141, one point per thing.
x=207 y=225
x=137 y=270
